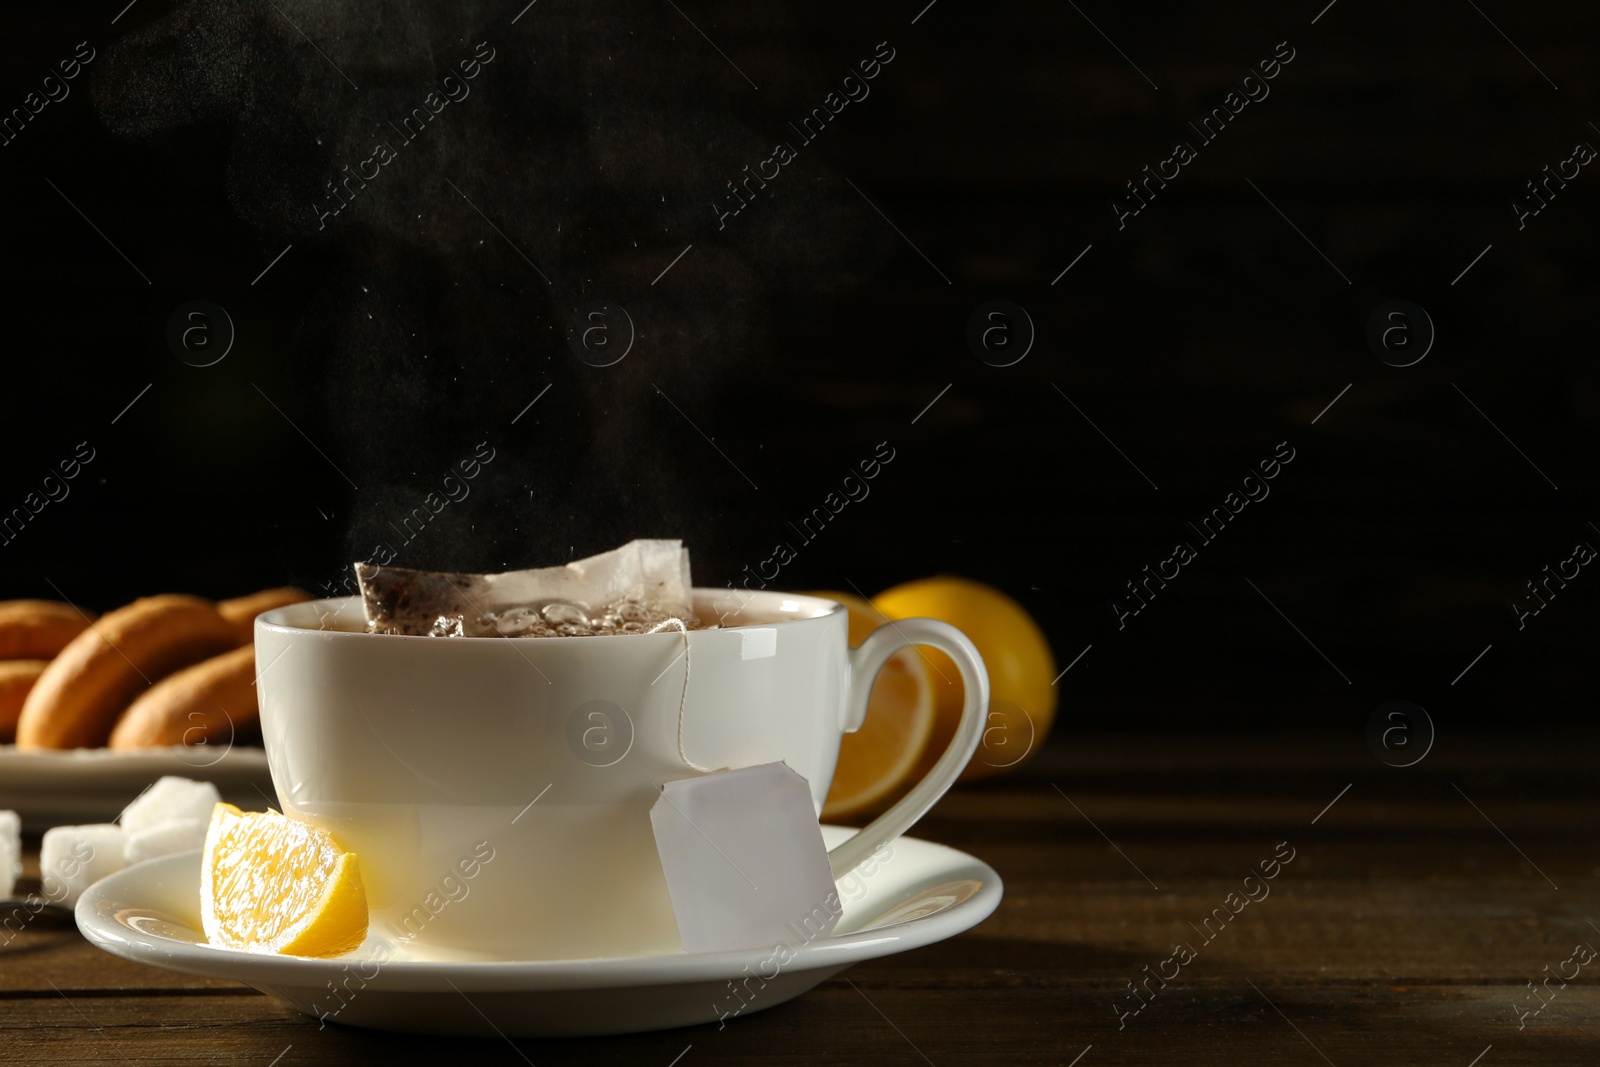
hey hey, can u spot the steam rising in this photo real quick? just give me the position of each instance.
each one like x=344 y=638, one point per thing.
x=597 y=138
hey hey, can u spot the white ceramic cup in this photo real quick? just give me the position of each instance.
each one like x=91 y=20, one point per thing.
x=497 y=790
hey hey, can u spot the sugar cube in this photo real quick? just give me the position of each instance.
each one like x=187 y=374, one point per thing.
x=744 y=859
x=10 y=851
x=164 y=839
x=169 y=798
x=72 y=858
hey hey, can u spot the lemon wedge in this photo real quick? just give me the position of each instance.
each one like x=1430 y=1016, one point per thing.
x=272 y=884
x=877 y=762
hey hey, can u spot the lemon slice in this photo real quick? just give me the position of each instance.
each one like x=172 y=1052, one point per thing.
x=272 y=884
x=878 y=761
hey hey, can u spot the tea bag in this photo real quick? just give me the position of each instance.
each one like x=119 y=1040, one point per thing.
x=744 y=860
x=631 y=589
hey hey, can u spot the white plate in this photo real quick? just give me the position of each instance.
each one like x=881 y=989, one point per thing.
x=86 y=785
x=921 y=894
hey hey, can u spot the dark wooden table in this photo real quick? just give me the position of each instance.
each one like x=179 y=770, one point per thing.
x=1417 y=907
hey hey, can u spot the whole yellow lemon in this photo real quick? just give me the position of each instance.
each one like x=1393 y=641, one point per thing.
x=1022 y=698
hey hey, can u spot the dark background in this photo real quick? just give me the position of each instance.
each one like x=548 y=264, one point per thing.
x=380 y=351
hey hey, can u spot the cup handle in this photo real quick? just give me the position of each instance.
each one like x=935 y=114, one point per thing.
x=865 y=662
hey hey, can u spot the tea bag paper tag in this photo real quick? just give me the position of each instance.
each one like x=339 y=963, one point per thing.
x=656 y=571
x=744 y=859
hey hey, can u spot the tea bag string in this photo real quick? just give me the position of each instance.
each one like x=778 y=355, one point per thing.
x=683 y=697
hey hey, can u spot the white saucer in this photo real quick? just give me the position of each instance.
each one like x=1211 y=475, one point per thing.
x=921 y=894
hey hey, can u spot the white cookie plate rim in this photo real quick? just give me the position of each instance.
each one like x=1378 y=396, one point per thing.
x=920 y=894
x=77 y=785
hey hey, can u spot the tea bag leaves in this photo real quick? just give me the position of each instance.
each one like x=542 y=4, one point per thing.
x=627 y=590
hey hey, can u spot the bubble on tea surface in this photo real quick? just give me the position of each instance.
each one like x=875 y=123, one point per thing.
x=560 y=614
x=562 y=618
x=447 y=626
x=519 y=622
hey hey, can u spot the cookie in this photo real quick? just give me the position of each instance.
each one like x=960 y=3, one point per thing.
x=242 y=611
x=16 y=678
x=79 y=696
x=38 y=629
x=212 y=701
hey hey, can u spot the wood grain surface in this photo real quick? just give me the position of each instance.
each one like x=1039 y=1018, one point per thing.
x=1416 y=909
